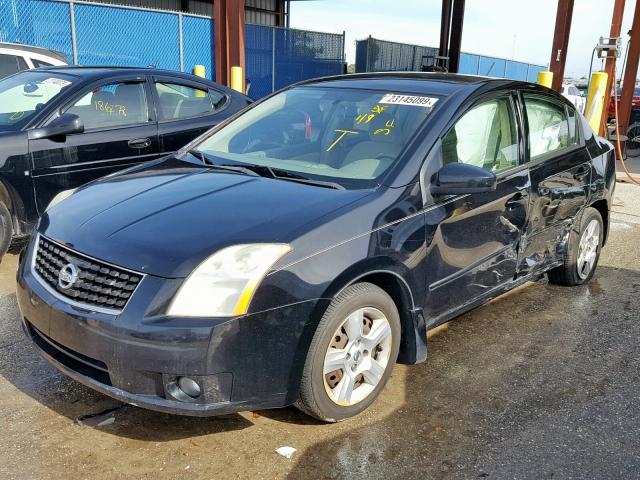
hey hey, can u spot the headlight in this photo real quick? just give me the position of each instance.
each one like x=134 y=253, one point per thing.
x=60 y=197
x=223 y=285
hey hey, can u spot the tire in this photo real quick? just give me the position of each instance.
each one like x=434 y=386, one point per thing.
x=323 y=395
x=574 y=272
x=632 y=145
x=6 y=229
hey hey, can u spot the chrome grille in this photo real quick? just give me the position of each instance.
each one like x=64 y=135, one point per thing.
x=98 y=284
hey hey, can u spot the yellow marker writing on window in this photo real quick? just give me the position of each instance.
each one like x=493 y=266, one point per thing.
x=16 y=116
x=342 y=133
x=385 y=131
x=365 y=117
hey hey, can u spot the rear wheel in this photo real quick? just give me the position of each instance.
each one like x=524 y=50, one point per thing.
x=585 y=243
x=6 y=229
x=351 y=355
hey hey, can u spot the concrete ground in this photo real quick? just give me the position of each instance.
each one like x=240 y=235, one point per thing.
x=543 y=382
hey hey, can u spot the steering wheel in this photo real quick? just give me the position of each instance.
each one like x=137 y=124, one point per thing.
x=262 y=141
x=280 y=131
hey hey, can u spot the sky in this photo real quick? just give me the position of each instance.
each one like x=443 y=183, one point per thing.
x=515 y=29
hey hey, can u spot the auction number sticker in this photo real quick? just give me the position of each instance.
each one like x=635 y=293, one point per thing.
x=415 y=100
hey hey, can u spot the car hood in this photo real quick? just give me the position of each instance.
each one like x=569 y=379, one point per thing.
x=167 y=218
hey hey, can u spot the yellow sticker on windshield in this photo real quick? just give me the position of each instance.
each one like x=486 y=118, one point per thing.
x=411 y=100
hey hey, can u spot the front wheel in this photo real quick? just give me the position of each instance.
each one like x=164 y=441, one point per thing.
x=351 y=355
x=585 y=244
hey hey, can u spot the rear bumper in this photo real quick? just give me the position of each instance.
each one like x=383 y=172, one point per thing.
x=251 y=362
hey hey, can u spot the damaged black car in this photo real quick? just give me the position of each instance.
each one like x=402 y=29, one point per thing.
x=295 y=253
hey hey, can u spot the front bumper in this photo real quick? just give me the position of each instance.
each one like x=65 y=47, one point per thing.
x=137 y=357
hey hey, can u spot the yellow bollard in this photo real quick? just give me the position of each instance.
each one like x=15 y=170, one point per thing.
x=200 y=71
x=595 y=101
x=237 y=79
x=545 y=79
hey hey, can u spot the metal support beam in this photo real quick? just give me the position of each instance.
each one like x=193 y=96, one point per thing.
x=616 y=28
x=228 y=18
x=561 y=42
x=445 y=26
x=455 y=43
x=630 y=72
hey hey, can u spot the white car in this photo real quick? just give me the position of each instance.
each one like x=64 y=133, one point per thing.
x=15 y=57
x=575 y=96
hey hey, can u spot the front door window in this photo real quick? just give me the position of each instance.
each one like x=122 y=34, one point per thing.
x=112 y=105
x=485 y=137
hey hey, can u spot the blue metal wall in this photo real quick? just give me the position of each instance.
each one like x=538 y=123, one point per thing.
x=114 y=35
x=198 y=43
x=296 y=55
x=259 y=59
x=378 y=55
x=36 y=22
x=131 y=38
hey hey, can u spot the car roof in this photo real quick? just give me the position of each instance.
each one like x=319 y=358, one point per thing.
x=41 y=51
x=415 y=82
x=90 y=73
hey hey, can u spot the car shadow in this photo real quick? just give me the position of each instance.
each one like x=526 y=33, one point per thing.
x=521 y=387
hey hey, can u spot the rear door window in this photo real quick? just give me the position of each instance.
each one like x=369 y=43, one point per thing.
x=112 y=105
x=177 y=101
x=548 y=126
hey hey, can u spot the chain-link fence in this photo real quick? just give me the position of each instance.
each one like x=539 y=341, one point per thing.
x=277 y=57
x=373 y=55
x=99 y=34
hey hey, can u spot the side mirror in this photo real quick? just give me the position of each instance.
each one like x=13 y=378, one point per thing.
x=65 y=124
x=460 y=178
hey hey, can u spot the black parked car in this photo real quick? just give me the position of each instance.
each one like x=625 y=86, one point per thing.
x=297 y=252
x=61 y=127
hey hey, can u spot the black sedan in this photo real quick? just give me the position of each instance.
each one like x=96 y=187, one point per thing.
x=295 y=253
x=61 y=127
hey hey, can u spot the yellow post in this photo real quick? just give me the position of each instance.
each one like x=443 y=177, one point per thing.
x=595 y=101
x=545 y=79
x=200 y=71
x=237 y=79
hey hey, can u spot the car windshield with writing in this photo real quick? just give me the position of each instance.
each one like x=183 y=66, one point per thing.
x=343 y=136
x=22 y=95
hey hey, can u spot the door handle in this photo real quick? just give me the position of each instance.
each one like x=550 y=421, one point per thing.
x=140 y=143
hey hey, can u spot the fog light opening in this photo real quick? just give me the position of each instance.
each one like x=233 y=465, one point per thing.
x=189 y=387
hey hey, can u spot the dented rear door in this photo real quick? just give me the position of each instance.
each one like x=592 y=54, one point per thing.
x=560 y=170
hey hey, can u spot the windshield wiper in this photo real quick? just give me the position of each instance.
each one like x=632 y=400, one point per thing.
x=219 y=166
x=259 y=170
x=294 y=177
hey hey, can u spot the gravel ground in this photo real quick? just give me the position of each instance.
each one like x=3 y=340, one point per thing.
x=543 y=382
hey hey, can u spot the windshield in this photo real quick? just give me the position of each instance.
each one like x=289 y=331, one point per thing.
x=24 y=94
x=347 y=136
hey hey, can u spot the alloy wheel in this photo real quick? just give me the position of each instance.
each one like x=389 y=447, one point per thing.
x=588 y=249
x=357 y=356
